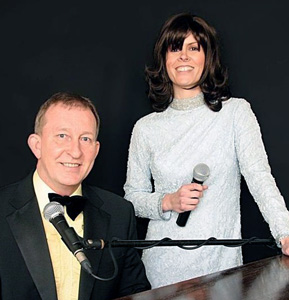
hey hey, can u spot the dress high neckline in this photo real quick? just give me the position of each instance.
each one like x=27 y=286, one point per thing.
x=188 y=103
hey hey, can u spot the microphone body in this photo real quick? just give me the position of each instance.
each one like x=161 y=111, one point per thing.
x=54 y=213
x=200 y=174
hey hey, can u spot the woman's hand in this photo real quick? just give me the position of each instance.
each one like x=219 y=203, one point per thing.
x=186 y=198
x=285 y=245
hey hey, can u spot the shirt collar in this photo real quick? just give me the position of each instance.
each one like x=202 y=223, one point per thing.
x=42 y=190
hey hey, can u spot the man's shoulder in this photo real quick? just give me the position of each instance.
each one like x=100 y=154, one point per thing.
x=14 y=194
x=6 y=193
x=100 y=191
x=107 y=198
x=11 y=187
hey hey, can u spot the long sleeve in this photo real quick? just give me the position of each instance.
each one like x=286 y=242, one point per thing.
x=255 y=168
x=139 y=186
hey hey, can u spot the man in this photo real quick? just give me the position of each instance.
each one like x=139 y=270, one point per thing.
x=34 y=262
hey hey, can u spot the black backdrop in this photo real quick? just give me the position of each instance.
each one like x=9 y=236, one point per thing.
x=99 y=49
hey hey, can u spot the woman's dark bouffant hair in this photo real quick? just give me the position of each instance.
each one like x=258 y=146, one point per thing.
x=214 y=79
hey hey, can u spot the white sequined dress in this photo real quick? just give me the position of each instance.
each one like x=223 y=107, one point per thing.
x=165 y=147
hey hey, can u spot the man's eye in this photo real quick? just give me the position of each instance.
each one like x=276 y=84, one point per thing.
x=86 y=139
x=62 y=135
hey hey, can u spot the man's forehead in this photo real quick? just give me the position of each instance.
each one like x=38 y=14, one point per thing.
x=59 y=115
x=71 y=106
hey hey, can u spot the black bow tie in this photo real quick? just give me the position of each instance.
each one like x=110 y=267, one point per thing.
x=74 y=204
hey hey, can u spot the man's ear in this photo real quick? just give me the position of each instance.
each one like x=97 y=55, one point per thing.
x=34 y=143
x=97 y=146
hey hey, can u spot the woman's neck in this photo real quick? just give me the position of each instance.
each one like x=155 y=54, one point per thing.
x=186 y=93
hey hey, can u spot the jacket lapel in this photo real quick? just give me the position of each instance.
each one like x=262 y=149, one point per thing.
x=27 y=229
x=96 y=224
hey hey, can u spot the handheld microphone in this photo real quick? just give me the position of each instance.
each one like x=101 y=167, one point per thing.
x=54 y=213
x=200 y=174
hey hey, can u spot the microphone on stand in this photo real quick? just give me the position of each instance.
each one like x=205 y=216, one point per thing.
x=54 y=213
x=201 y=172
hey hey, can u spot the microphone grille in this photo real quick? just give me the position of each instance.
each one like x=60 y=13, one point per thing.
x=201 y=172
x=52 y=210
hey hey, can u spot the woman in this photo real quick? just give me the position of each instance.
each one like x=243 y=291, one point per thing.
x=197 y=121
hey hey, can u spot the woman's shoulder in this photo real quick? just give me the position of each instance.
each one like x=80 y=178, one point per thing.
x=149 y=120
x=235 y=102
x=150 y=125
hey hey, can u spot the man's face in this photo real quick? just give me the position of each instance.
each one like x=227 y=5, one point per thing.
x=66 y=147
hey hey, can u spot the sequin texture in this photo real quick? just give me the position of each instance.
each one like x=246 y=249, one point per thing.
x=166 y=146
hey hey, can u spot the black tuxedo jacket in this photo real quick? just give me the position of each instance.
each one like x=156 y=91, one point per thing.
x=25 y=266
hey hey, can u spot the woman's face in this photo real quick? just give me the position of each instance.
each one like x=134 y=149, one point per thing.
x=185 y=67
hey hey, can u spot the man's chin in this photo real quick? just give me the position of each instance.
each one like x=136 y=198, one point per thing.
x=71 y=182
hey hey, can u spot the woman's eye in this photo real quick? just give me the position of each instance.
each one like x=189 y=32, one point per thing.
x=174 y=49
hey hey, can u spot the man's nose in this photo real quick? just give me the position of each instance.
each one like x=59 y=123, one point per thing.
x=75 y=149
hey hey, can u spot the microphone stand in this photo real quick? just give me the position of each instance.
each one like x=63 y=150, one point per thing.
x=144 y=244
x=184 y=244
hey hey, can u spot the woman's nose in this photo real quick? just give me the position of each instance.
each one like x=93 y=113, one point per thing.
x=183 y=55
